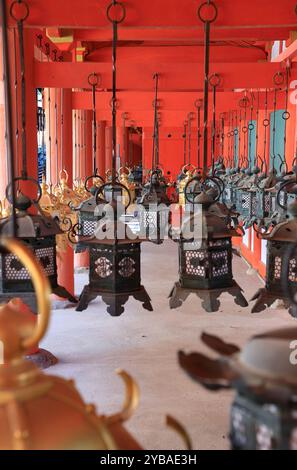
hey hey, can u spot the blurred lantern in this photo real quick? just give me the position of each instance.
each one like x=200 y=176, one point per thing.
x=48 y=412
x=263 y=414
x=205 y=256
x=278 y=240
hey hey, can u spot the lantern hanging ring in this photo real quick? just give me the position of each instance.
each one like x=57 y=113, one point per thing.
x=94 y=176
x=21 y=178
x=278 y=78
x=113 y=6
x=198 y=103
x=13 y=13
x=93 y=79
x=282 y=187
x=215 y=80
x=113 y=186
x=207 y=179
x=208 y=5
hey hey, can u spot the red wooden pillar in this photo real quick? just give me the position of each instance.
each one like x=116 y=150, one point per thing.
x=108 y=148
x=122 y=141
x=65 y=259
x=3 y=169
x=101 y=126
x=31 y=107
x=88 y=155
x=84 y=135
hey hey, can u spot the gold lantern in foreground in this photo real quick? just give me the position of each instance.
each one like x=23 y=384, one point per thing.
x=40 y=411
x=45 y=412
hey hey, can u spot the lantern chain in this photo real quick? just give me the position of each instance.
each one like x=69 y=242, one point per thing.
x=265 y=124
x=251 y=128
x=207 y=22
x=8 y=115
x=155 y=156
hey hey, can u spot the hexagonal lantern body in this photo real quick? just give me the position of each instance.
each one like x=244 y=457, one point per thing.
x=265 y=205
x=205 y=263
x=115 y=267
x=279 y=240
x=38 y=232
x=154 y=216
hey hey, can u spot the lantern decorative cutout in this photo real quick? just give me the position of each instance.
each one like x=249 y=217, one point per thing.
x=205 y=262
x=38 y=232
x=265 y=206
x=247 y=198
x=264 y=411
x=49 y=413
x=278 y=239
x=114 y=261
x=154 y=213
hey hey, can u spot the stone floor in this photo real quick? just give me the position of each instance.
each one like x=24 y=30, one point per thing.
x=90 y=345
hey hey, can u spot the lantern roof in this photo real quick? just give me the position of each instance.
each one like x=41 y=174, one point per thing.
x=155 y=192
x=214 y=225
x=89 y=205
x=285 y=231
x=262 y=367
x=31 y=226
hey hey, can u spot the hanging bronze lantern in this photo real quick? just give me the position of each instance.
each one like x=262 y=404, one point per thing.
x=114 y=251
x=205 y=263
x=154 y=213
x=114 y=261
x=38 y=232
x=278 y=240
x=263 y=413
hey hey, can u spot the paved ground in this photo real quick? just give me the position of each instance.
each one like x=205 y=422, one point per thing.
x=90 y=345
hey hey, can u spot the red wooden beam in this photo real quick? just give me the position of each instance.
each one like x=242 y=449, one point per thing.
x=240 y=15
x=173 y=77
x=178 y=53
x=169 y=101
x=184 y=34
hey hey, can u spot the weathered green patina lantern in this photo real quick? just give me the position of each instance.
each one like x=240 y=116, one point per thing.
x=205 y=258
x=282 y=236
x=263 y=373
